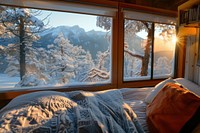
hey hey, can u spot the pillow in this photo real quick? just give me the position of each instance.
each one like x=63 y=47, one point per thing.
x=171 y=109
x=158 y=87
x=189 y=85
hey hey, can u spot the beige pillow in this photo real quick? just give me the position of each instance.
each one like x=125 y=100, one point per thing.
x=158 y=87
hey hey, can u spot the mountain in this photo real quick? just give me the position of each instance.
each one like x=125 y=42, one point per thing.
x=92 y=41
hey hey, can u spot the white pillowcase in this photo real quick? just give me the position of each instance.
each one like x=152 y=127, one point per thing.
x=189 y=85
x=149 y=98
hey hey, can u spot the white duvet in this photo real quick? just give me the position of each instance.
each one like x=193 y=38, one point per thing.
x=78 y=111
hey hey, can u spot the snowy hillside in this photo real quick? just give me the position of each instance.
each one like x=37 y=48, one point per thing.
x=7 y=81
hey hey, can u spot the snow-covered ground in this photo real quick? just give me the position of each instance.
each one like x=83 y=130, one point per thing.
x=8 y=82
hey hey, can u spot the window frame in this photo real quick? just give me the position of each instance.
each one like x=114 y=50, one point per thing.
x=117 y=50
x=174 y=53
x=152 y=55
x=152 y=76
x=89 y=87
x=137 y=8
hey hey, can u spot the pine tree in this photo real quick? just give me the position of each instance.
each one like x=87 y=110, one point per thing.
x=68 y=63
x=61 y=67
x=101 y=71
x=12 y=57
x=23 y=24
x=84 y=63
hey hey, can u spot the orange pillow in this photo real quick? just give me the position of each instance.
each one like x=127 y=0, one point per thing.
x=172 y=107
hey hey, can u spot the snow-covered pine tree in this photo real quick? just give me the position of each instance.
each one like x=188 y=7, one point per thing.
x=67 y=63
x=13 y=70
x=102 y=69
x=36 y=61
x=84 y=64
x=12 y=57
x=23 y=24
x=131 y=28
x=61 y=67
x=132 y=65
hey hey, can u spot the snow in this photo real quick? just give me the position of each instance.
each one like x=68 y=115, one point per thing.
x=23 y=11
x=1 y=47
x=66 y=30
x=11 y=45
x=7 y=81
x=36 y=21
x=55 y=31
x=137 y=78
x=26 y=13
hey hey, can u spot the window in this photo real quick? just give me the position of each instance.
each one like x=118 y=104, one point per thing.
x=149 y=47
x=137 y=49
x=54 y=48
x=80 y=45
x=164 y=50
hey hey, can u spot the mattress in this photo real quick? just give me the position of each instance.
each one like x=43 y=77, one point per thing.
x=134 y=97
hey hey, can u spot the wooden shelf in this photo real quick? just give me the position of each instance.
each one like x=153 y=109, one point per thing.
x=189 y=14
x=191 y=24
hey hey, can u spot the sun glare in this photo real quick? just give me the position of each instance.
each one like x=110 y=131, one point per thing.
x=180 y=39
x=175 y=39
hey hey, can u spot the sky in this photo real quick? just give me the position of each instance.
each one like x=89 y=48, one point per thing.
x=88 y=22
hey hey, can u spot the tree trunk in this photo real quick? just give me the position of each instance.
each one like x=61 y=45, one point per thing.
x=145 y=60
x=22 y=48
x=63 y=67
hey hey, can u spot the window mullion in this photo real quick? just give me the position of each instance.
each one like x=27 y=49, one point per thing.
x=152 y=51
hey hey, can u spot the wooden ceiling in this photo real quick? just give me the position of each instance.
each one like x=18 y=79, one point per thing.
x=162 y=4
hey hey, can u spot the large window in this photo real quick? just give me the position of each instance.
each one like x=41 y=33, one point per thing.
x=80 y=45
x=149 y=48
x=53 y=48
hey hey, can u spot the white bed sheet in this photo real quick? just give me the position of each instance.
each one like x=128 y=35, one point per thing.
x=135 y=98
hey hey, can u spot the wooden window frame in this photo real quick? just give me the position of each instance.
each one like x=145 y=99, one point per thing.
x=140 y=83
x=117 y=53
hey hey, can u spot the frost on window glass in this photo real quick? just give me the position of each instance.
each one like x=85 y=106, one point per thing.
x=137 y=50
x=164 y=50
x=50 y=48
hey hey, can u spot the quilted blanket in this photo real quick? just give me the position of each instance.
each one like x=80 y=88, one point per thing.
x=69 y=112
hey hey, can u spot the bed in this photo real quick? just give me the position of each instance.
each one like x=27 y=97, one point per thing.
x=125 y=110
